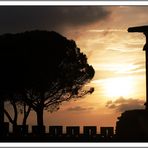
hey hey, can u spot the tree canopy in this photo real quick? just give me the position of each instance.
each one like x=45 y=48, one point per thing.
x=45 y=67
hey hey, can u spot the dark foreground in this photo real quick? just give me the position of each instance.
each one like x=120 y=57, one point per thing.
x=61 y=138
x=66 y=138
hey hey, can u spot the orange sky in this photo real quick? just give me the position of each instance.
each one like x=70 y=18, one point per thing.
x=118 y=60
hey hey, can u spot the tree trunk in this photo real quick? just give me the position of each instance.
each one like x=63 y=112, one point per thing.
x=14 y=120
x=14 y=127
x=26 y=114
x=15 y=112
x=39 y=113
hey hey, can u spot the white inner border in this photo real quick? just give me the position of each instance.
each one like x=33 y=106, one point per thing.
x=75 y=3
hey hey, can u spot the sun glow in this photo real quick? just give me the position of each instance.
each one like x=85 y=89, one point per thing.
x=121 y=86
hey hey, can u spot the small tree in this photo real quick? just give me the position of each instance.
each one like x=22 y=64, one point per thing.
x=19 y=106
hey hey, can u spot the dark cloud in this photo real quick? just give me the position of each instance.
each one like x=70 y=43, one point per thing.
x=123 y=104
x=20 y=18
x=79 y=108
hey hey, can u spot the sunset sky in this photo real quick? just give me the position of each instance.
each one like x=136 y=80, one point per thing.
x=116 y=55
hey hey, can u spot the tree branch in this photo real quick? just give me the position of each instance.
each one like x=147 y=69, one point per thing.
x=29 y=102
x=8 y=116
x=54 y=99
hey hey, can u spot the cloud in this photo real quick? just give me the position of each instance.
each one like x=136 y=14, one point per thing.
x=122 y=104
x=104 y=74
x=112 y=70
x=79 y=108
x=20 y=18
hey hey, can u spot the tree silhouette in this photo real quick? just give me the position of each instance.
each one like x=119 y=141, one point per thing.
x=19 y=106
x=45 y=68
